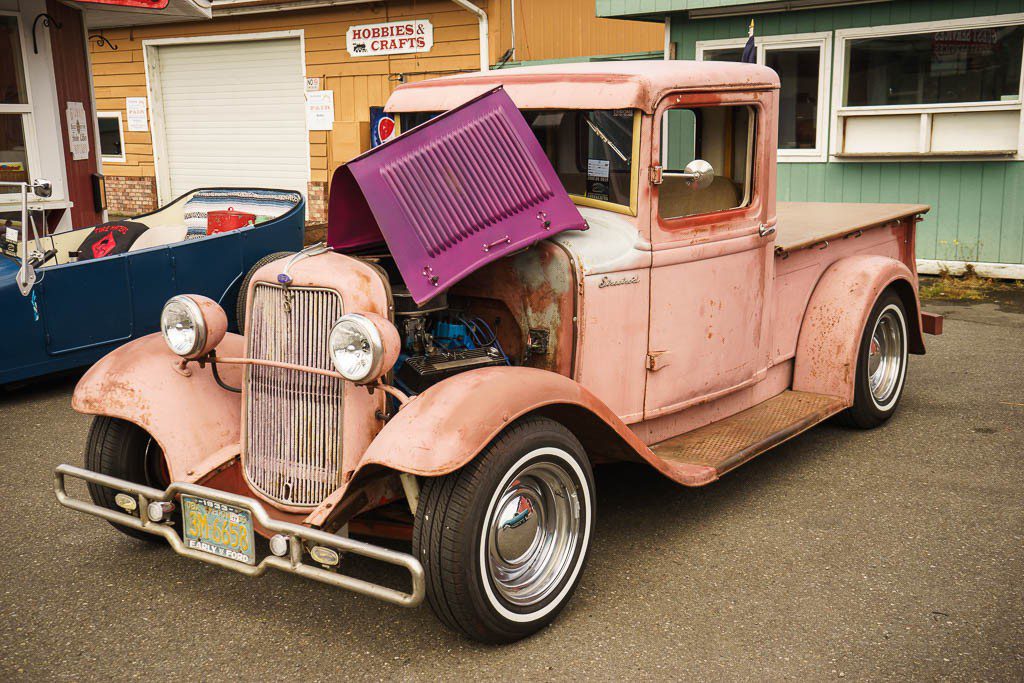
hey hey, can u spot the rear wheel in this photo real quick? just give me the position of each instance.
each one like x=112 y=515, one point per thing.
x=504 y=540
x=124 y=450
x=240 y=303
x=881 y=364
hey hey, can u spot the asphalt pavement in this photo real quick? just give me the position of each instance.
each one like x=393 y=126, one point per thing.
x=891 y=554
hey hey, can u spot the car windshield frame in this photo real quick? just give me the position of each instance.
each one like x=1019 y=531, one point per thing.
x=584 y=127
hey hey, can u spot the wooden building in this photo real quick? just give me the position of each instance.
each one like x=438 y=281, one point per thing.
x=245 y=98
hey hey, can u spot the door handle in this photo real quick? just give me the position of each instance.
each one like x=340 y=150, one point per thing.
x=656 y=360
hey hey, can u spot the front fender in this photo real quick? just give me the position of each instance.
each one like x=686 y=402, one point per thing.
x=445 y=427
x=195 y=422
x=826 y=352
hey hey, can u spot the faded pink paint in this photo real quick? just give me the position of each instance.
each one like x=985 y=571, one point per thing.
x=446 y=426
x=216 y=322
x=363 y=291
x=190 y=417
x=826 y=354
x=700 y=322
x=597 y=85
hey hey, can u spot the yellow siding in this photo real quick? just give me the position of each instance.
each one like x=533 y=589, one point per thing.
x=545 y=29
x=556 y=29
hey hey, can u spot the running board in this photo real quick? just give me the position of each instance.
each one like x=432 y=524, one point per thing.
x=728 y=443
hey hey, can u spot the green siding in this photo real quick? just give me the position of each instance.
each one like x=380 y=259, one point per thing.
x=977 y=209
x=976 y=214
x=623 y=8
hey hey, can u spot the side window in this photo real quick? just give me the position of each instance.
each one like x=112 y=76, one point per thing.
x=722 y=136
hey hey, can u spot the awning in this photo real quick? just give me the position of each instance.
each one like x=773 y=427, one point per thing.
x=113 y=13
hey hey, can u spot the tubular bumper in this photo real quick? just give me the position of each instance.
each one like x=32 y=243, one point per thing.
x=296 y=535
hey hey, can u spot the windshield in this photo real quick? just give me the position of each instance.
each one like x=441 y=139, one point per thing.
x=591 y=150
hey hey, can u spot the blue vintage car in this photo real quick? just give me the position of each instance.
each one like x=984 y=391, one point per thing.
x=93 y=293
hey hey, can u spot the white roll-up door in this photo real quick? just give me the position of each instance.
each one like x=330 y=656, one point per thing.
x=229 y=114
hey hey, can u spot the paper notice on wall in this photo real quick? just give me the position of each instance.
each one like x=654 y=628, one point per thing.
x=320 y=110
x=138 y=121
x=312 y=83
x=78 y=131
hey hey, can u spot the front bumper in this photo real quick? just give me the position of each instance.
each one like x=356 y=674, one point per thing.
x=292 y=562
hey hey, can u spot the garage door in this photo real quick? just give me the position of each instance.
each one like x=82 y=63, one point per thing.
x=233 y=114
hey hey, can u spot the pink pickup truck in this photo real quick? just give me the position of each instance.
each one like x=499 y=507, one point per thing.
x=551 y=268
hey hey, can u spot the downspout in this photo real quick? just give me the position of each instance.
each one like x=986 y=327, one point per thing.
x=481 y=17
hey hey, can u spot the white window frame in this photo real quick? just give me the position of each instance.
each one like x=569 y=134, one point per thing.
x=822 y=41
x=839 y=110
x=25 y=110
x=112 y=158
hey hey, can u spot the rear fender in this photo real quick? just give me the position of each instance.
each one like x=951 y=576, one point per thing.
x=447 y=426
x=826 y=353
x=194 y=421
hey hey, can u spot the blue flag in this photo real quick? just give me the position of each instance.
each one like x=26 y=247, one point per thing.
x=749 y=51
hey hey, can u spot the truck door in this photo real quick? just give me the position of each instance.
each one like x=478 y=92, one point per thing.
x=712 y=261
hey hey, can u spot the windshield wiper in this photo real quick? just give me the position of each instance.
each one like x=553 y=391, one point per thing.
x=604 y=138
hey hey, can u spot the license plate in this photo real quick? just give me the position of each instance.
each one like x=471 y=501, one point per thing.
x=218 y=528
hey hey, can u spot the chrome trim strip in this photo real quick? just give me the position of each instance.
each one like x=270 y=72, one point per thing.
x=296 y=535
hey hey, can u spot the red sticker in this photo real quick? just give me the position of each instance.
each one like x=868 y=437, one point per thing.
x=103 y=246
x=385 y=128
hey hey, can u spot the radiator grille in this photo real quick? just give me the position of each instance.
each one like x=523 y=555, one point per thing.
x=293 y=419
x=458 y=184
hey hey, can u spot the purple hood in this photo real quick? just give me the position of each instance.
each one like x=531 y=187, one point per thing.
x=452 y=195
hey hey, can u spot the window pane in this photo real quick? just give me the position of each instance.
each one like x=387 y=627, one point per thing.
x=110 y=136
x=731 y=54
x=13 y=155
x=590 y=150
x=722 y=136
x=680 y=145
x=12 y=71
x=798 y=97
x=411 y=119
x=972 y=65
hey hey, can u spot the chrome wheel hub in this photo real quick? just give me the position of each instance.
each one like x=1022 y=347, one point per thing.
x=885 y=357
x=533 y=533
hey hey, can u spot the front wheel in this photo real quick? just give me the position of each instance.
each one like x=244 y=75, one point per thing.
x=504 y=540
x=881 y=364
x=121 y=449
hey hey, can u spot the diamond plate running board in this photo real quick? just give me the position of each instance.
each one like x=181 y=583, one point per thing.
x=728 y=443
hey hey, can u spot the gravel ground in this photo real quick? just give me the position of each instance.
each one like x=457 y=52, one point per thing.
x=896 y=554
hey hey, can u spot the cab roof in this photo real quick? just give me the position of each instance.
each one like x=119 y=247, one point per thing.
x=638 y=84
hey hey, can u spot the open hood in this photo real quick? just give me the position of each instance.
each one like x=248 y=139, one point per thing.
x=452 y=195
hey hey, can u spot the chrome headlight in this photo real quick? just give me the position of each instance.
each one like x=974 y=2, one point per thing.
x=183 y=327
x=192 y=325
x=357 y=349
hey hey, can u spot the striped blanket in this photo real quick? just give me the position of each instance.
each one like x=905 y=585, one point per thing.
x=265 y=204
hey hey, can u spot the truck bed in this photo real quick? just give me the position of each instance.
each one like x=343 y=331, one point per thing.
x=804 y=224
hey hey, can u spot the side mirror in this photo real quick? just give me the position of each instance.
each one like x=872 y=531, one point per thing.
x=699 y=174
